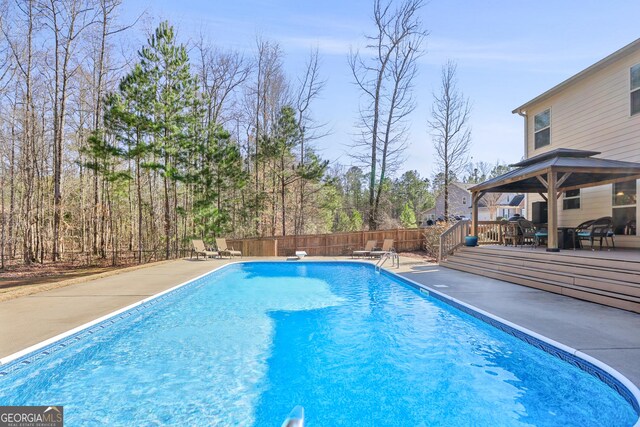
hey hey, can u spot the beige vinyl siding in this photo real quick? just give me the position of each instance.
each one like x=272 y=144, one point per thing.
x=592 y=114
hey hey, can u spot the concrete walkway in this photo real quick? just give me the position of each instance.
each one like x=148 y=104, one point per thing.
x=608 y=334
x=28 y=320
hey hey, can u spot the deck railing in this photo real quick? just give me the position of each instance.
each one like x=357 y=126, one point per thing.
x=453 y=238
x=489 y=233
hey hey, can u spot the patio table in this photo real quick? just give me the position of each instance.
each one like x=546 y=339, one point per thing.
x=567 y=238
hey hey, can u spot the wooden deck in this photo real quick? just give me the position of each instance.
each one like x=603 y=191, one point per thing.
x=621 y=254
x=608 y=277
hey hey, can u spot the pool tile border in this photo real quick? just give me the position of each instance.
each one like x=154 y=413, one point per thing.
x=568 y=355
x=15 y=362
x=62 y=341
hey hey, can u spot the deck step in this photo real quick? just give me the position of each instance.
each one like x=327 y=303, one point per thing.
x=607 y=260
x=600 y=297
x=577 y=276
x=615 y=286
x=555 y=267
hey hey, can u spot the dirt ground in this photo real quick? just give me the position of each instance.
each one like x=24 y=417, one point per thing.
x=23 y=280
x=421 y=255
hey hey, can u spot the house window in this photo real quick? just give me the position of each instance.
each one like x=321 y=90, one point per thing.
x=542 y=129
x=624 y=206
x=635 y=89
x=571 y=200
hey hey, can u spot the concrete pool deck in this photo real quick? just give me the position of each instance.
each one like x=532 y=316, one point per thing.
x=608 y=334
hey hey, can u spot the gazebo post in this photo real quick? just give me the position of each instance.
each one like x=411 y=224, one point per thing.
x=552 y=205
x=474 y=213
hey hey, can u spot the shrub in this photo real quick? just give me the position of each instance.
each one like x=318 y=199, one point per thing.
x=432 y=238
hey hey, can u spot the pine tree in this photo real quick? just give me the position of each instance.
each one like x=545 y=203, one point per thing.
x=166 y=64
x=286 y=136
x=129 y=117
x=408 y=216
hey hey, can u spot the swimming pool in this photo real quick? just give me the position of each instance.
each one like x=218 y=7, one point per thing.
x=245 y=344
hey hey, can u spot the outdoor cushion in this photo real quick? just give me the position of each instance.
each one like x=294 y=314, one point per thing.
x=588 y=234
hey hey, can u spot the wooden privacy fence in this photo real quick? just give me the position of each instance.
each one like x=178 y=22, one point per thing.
x=335 y=244
x=255 y=247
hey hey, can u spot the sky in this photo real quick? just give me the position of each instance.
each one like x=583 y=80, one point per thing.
x=507 y=53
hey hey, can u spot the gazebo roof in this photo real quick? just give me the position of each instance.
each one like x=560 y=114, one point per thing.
x=575 y=168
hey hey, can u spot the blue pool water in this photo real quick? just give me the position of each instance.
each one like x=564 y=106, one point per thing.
x=353 y=347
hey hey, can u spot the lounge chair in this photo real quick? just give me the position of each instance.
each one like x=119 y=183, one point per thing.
x=221 y=243
x=601 y=228
x=387 y=246
x=371 y=244
x=200 y=249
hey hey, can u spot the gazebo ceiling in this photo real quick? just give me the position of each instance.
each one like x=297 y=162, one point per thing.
x=575 y=169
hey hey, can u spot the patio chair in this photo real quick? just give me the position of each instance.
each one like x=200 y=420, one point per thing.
x=528 y=233
x=371 y=244
x=509 y=231
x=221 y=243
x=630 y=228
x=601 y=228
x=200 y=249
x=387 y=246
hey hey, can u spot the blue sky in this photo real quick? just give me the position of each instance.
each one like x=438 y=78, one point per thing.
x=507 y=52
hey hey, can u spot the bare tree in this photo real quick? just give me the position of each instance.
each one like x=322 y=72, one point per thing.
x=309 y=89
x=477 y=172
x=66 y=20
x=221 y=73
x=21 y=49
x=386 y=84
x=450 y=129
x=268 y=93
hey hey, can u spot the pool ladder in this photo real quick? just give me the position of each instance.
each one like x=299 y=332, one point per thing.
x=295 y=418
x=395 y=260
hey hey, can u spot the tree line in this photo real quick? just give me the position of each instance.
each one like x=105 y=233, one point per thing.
x=110 y=153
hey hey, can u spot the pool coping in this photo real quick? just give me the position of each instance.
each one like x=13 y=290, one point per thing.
x=603 y=372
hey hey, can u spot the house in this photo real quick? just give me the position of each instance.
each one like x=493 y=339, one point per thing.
x=491 y=207
x=459 y=203
x=597 y=110
x=495 y=206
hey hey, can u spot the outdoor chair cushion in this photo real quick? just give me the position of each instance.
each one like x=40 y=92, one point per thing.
x=601 y=228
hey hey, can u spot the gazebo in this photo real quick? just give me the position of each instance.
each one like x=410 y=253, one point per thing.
x=550 y=174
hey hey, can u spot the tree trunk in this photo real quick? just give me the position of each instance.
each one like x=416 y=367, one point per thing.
x=282 y=193
x=167 y=216
x=139 y=194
